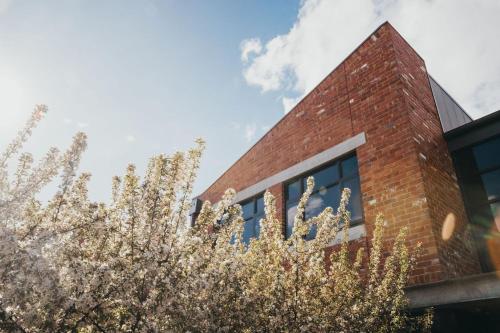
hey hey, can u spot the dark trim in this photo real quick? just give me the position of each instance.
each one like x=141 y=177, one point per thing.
x=476 y=123
x=475 y=132
x=461 y=290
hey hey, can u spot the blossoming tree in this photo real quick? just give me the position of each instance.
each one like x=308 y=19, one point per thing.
x=131 y=265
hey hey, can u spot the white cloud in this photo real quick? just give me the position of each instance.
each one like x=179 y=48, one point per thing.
x=290 y=102
x=67 y=121
x=250 y=46
x=457 y=38
x=250 y=130
x=130 y=138
x=82 y=124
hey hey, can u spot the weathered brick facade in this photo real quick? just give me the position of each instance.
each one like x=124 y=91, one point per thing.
x=383 y=90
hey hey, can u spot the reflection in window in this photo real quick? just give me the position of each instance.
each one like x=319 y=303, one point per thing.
x=329 y=183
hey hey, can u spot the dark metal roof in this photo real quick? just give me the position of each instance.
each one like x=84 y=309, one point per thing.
x=451 y=114
x=474 y=132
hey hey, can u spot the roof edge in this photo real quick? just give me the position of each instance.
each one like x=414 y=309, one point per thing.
x=473 y=124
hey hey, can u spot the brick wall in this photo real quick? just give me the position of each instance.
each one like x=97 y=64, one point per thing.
x=457 y=255
x=381 y=89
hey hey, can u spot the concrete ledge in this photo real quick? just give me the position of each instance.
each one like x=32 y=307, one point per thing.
x=467 y=289
x=315 y=161
x=355 y=232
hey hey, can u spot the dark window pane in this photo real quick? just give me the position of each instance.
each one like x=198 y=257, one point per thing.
x=491 y=182
x=318 y=202
x=325 y=177
x=290 y=217
x=324 y=198
x=332 y=197
x=249 y=231
x=312 y=232
x=465 y=163
x=350 y=166
x=487 y=154
x=248 y=210
x=260 y=205
x=474 y=191
x=294 y=191
x=354 y=205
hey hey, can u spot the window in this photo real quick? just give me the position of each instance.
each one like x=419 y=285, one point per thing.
x=329 y=183
x=253 y=212
x=478 y=171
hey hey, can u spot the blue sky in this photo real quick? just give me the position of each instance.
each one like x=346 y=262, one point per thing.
x=148 y=77
x=139 y=77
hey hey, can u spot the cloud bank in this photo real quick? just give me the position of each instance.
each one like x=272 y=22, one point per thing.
x=458 y=39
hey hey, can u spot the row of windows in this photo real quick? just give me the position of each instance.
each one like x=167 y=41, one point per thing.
x=329 y=183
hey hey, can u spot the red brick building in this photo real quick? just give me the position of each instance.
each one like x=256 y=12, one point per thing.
x=379 y=124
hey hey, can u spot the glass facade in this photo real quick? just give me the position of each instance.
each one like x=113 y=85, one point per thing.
x=329 y=183
x=478 y=171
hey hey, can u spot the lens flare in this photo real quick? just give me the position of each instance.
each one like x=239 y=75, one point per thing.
x=494 y=243
x=448 y=226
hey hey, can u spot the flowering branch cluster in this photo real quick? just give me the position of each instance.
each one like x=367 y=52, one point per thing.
x=132 y=265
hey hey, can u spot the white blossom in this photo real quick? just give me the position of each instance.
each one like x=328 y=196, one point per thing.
x=77 y=265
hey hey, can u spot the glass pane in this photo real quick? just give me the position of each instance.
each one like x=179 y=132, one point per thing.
x=487 y=154
x=315 y=205
x=312 y=232
x=465 y=163
x=248 y=210
x=249 y=231
x=475 y=193
x=294 y=191
x=318 y=202
x=350 y=166
x=326 y=197
x=491 y=182
x=290 y=216
x=260 y=205
x=354 y=204
x=325 y=177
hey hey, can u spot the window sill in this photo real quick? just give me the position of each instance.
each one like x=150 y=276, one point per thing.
x=355 y=232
